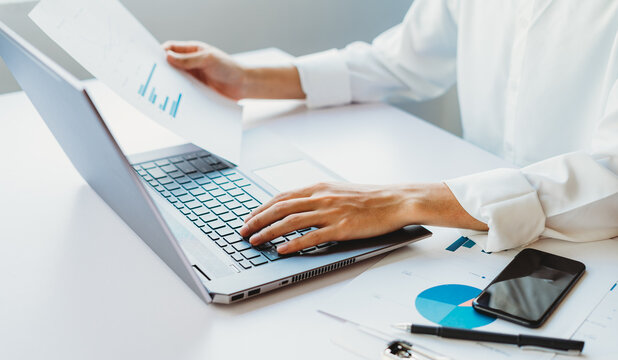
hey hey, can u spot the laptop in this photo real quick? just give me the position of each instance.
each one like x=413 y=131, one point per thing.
x=184 y=202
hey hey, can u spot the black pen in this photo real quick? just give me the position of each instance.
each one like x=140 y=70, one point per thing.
x=572 y=347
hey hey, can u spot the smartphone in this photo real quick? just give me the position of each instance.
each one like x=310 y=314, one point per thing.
x=529 y=288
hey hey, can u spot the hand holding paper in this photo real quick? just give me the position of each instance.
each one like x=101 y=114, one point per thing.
x=112 y=45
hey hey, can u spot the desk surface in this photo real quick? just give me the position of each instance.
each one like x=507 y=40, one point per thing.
x=77 y=283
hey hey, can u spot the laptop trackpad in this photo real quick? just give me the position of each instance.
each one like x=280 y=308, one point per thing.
x=293 y=175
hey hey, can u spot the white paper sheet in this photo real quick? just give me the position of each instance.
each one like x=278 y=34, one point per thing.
x=114 y=47
x=389 y=292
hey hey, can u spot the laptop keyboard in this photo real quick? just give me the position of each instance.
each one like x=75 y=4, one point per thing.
x=216 y=199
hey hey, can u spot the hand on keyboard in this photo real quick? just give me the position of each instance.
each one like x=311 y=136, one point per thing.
x=339 y=211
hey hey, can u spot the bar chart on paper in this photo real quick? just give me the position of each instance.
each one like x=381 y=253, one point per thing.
x=163 y=104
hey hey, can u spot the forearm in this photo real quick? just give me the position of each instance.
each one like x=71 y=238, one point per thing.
x=435 y=204
x=272 y=83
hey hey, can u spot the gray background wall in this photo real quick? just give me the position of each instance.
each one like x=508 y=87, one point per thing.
x=296 y=26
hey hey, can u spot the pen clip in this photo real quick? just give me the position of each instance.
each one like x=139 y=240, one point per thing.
x=556 y=351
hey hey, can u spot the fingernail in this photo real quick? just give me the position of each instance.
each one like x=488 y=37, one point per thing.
x=243 y=230
x=255 y=238
x=282 y=247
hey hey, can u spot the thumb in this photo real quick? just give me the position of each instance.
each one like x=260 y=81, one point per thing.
x=186 y=61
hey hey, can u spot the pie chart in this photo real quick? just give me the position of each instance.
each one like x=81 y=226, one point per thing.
x=451 y=305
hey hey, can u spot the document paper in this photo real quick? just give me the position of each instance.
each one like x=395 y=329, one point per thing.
x=105 y=38
x=433 y=282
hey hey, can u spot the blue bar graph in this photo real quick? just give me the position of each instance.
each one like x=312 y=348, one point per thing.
x=152 y=97
x=457 y=244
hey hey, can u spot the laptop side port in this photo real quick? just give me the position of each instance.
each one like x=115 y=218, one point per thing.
x=238 y=296
x=253 y=292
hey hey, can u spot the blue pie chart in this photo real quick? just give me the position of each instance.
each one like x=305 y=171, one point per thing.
x=451 y=305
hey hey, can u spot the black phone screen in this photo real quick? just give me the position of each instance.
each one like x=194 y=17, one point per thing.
x=530 y=287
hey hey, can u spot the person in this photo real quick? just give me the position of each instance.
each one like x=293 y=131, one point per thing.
x=538 y=85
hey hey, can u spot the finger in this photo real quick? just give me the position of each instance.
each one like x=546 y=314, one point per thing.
x=310 y=239
x=293 y=194
x=276 y=212
x=186 y=61
x=182 y=46
x=286 y=225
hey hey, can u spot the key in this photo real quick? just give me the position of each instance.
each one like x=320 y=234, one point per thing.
x=234 y=177
x=179 y=192
x=199 y=211
x=179 y=205
x=148 y=165
x=186 y=167
x=227 y=217
x=236 y=192
x=245 y=264
x=199 y=223
x=190 y=156
x=171 y=187
x=185 y=211
x=272 y=254
x=243 y=245
x=190 y=186
x=244 y=198
x=176 y=159
x=195 y=175
x=224 y=231
x=201 y=165
x=233 y=238
x=213 y=174
x=166 y=194
x=159 y=188
x=156 y=173
x=176 y=174
x=225 y=198
x=261 y=260
x=232 y=205
x=228 y=186
x=241 y=211
x=183 y=180
x=220 y=210
x=216 y=224
x=205 y=197
x=230 y=250
x=193 y=204
x=165 y=180
x=202 y=180
x=292 y=236
x=208 y=217
x=235 y=223
x=251 y=204
x=169 y=168
x=185 y=198
x=307 y=250
x=277 y=241
x=220 y=180
x=197 y=192
x=162 y=162
x=217 y=192
x=206 y=230
x=222 y=243
x=237 y=257
x=192 y=217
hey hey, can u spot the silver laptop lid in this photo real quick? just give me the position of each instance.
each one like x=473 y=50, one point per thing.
x=66 y=108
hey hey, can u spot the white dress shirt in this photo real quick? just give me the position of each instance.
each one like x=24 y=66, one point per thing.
x=538 y=85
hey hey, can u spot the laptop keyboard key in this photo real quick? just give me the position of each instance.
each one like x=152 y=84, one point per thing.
x=237 y=257
x=228 y=186
x=246 y=250
x=272 y=254
x=186 y=167
x=148 y=165
x=185 y=198
x=235 y=223
x=179 y=192
x=241 y=211
x=261 y=260
x=217 y=224
x=251 y=204
x=233 y=238
x=165 y=180
x=156 y=173
x=242 y=245
x=208 y=217
x=203 y=180
x=224 y=231
x=232 y=205
x=199 y=211
x=236 y=192
x=228 y=217
x=169 y=168
x=201 y=165
x=244 y=198
x=183 y=180
x=245 y=264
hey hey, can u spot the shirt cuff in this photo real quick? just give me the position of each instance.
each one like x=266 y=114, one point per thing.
x=506 y=202
x=324 y=78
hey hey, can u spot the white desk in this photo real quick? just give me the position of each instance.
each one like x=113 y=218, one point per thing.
x=77 y=283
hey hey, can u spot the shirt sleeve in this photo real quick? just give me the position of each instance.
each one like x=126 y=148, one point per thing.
x=572 y=197
x=416 y=57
